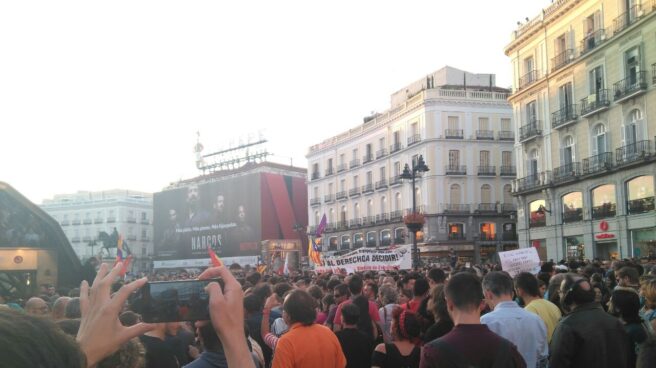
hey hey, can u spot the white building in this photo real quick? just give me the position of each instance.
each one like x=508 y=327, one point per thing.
x=83 y=215
x=461 y=123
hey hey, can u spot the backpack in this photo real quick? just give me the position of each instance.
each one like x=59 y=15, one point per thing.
x=647 y=353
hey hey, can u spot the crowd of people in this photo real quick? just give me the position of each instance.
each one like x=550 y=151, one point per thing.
x=587 y=314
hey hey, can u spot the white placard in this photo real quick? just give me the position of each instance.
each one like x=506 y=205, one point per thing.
x=369 y=259
x=520 y=260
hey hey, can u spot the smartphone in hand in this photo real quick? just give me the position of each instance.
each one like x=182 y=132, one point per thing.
x=172 y=301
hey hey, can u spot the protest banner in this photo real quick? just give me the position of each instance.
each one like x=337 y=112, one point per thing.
x=520 y=260
x=368 y=259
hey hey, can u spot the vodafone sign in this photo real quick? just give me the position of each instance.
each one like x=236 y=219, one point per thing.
x=603 y=226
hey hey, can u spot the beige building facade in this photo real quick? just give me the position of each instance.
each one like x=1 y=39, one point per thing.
x=585 y=105
x=461 y=124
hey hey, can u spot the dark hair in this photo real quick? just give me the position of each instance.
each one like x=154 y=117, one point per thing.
x=281 y=289
x=547 y=267
x=407 y=324
x=316 y=292
x=209 y=337
x=253 y=303
x=355 y=284
x=332 y=283
x=364 y=323
x=28 y=341
x=263 y=291
x=342 y=289
x=437 y=275
x=73 y=309
x=69 y=326
x=631 y=273
x=373 y=286
x=327 y=301
x=498 y=283
x=626 y=304
x=254 y=278
x=130 y=355
x=300 y=307
x=464 y=291
x=421 y=286
x=129 y=318
x=528 y=283
x=350 y=314
x=574 y=291
x=438 y=304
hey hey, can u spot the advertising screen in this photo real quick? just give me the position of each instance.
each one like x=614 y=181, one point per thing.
x=224 y=215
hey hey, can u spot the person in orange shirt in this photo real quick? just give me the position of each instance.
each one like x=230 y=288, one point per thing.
x=306 y=344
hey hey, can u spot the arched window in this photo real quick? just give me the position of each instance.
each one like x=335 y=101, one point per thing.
x=386 y=237
x=317 y=219
x=399 y=235
x=397 y=202
x=507 y=194
x=343 y=215
x=486 y=193
x=599 y=140
x=356 y=211
x=371 y=239
x=358 y=240
x=370 y=208
x=332 y=243
x=533 y=159
x=331 y=216
x=572 y=207
x=567 y=152
x=633 y=129
x=640 y=194
x=383 y=205
x=346 y=242
x=537 y=213
x=604 y=203
x=454 y=194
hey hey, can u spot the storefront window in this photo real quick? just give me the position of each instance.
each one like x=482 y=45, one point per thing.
x=640 y=194
x=644 y=242
x=573 y=207
x=399 y=235
x=603 y=201
x=358 y=240
x=456 y=231
x=346 y=242
x=371 y=239
x=537 y=213
x=488 y=231
x=332 y=244
x=574 y=248
x=385 y=238
x=509 y=231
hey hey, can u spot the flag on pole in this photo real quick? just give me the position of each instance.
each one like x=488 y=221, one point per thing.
x=216 y=261
x=119 y=256
x=322 y=226
x=313 y=254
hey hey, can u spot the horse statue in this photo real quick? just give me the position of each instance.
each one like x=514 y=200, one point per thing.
x=111 y=241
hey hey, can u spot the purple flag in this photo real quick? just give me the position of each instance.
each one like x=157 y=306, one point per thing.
x=322 y=226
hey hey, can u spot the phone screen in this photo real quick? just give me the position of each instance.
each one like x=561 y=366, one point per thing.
x=171 y=301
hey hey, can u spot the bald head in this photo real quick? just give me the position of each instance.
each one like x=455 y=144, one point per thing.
x=59 y=308
x=36 y=306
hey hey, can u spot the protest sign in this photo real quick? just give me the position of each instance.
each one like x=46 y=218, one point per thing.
x=368 y=259
x=520 y=260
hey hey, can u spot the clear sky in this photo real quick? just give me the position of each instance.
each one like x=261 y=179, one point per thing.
x=101 y=95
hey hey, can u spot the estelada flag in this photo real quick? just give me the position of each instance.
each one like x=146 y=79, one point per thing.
x=216 y=261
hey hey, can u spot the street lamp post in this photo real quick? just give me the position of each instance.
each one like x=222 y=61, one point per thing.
x=411 y=174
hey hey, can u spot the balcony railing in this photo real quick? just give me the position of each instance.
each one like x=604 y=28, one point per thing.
x=457 y=236
x=641 y=205
x=145 y=238
x=507 y=170
x=396 y=216
x=382 y=218
x=455 y=170
x=329 y=171
x=111 y=219
x=368 y=188
x=633 y=152
x=597 y=163
x=506 y=135
x=341 y=195
x=86 y=221
x=508 y=207
x=415 y=138
x=485 y=135
x=328 y=198
x=562 y=59
x=456 y=208
x=528 y=78
x=315 y=176
x=533 y=181
x=315 y=201
x=98 y=220
x=395 y=180
x=381 y=153
x=355 y=222
x=367 y=158
x=595 y=103
x=530 y=130
x=487 y=237
x=626 y=19
x=487 y=170
x=76 y=222
x=381 y=184
x=634 y=85
x=132 y=220
x=354 y=163
x=567 y=172
x=368 y=220
x=396 y=147
x=592 y=40
x=564 y=116
x=573 y=215
x=341 y=167
x=354 y=192
x=487 y=207
x=604 y=211
x=453 y=134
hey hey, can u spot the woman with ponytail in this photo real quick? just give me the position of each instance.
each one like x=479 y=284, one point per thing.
x=404 y=351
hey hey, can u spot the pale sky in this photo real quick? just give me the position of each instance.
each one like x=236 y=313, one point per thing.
x=102 y=95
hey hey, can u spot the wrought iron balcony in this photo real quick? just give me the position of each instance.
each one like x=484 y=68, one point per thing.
x=592 y=40
x=487 y=207
x=564 y=116
x=457 y=236
x=530 y=130
x=632 y=86
x=368 y=188
x=132 y=220
x=396 y=216
x=111 y=219
x=381 y=153
x=597 y=163
x=315 y=201
x=533 y=181
x=487 y=170
x=354 y=163
x=567 y=172
x=455 y=169
x=604 y=211
x=453 y=134
x=328 y=198
x=76 y=222
x=508 y=171
x=562 y=59
x=395 y=180
x=396 y=147
x=355 y=222
x=381 y=184
x=329 y=171
x=633 y=152
x=595 y=103
x=354 y=192
x=382 y=218
x=341 y=167
x=86 y=221
x=341 y=195
x=626 y=19
x=528 y=79
x=485 y=135
x=368 y=220
x=367 y=158
x=456 y=208
x=508 y=207
x=416 y=138
x=641 y=205
x=315 y=176
x=506 y=135
x=98 y=220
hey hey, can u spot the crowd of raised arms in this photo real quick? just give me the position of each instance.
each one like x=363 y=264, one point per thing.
x=577 y=314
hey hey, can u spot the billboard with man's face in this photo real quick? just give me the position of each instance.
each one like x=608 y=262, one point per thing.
x=223 y=215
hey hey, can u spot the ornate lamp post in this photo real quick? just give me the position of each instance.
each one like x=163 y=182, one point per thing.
x=414 y=221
